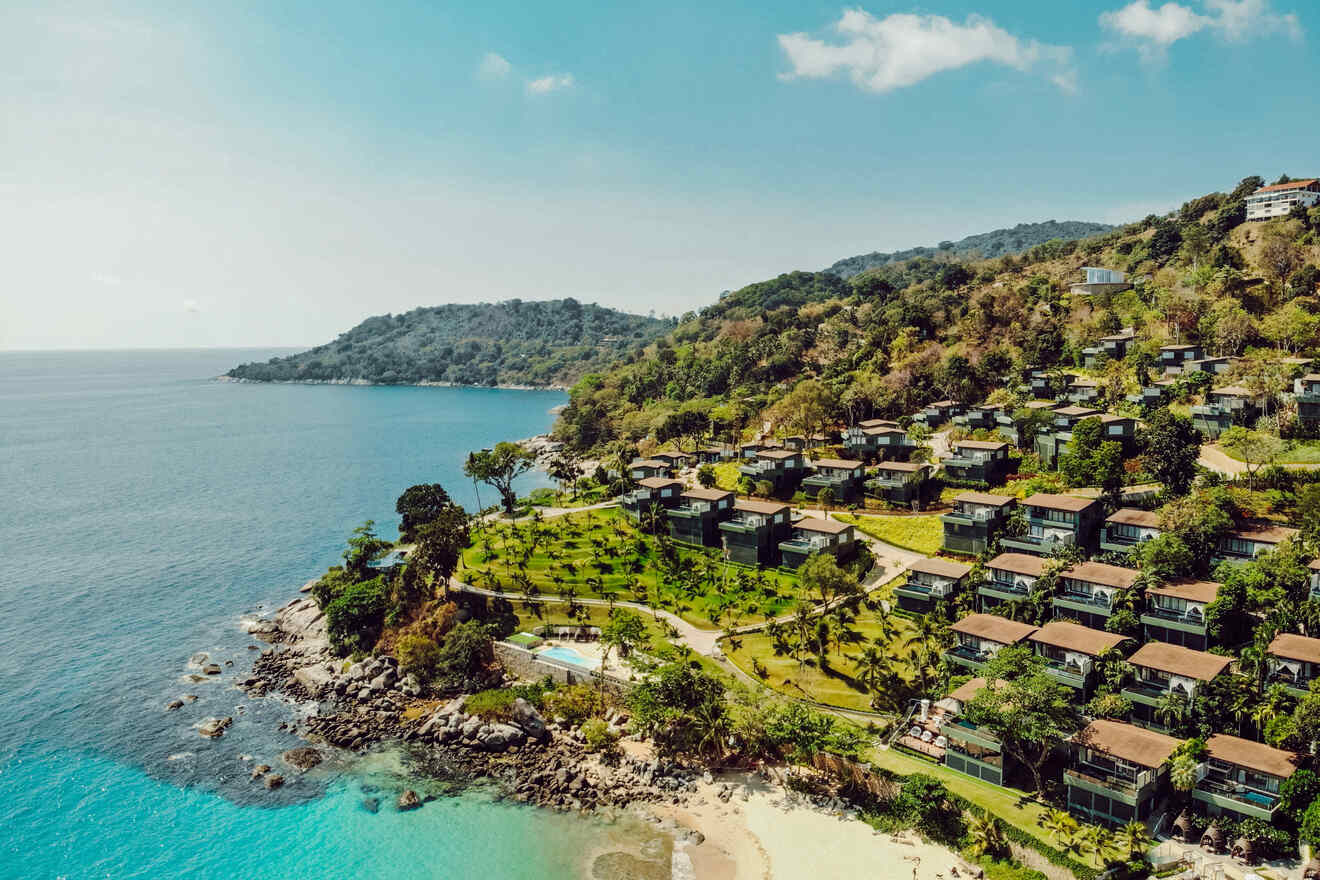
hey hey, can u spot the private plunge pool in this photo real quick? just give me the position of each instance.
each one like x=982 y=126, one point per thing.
x=571 y=656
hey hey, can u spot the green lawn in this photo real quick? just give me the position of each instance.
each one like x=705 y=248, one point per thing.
x=1008 y=804
x=726 y=475
x=602 y=553
x=922 y=534
x=1297 y=452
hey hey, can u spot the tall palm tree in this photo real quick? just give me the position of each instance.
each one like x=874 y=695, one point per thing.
x=1133 y=839
x=1059 y=823
x=985 y=835
x=1172 y=710
x=874 y=667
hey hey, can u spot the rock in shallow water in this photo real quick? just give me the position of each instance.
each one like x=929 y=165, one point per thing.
x=625 y=866
x=274 y=781
x=408 y=801
x=214 y=727
x=303 y=759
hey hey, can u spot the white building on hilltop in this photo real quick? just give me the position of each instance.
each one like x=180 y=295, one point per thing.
x=1278 y=200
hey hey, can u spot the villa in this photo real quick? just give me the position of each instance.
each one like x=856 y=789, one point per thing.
x=1099 y=280
x=1088 y=590
x=1278 y=200
x=842 y=476
x=1082 y=390
x=651 y=491
x=1054 y=520
x=781 y=468
x=1248 y=542
x=1175 y=613
x=1114 y=347
x=1009 y=577
x=898 y=482
x=939 y=413
x=647 y=468
x=928 y=581
x=714 y=454
x=811 y=535
x=978 y=461
x=968 y=748
x=1127 y=528
x=980 y=418
x=676 y=460
x=976 y=518
x=1243 y=778
x=884 y=441
x=748 y=451
x=1161 y=669
x=1071 y=651
x=1214 y=366
x=1294 y=662
x=982 y=636
x=1172 y=358
x=696 y=516
x=1116 y=772
x=752 y=533
x=1306 y=392
x=1224 y=408
x=1155 y=394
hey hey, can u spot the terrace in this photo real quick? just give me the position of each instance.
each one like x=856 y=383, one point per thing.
x=1115 y=771
x=1128 y=527
x=1175 y=612
x=1243 y=777
x=1294 y=661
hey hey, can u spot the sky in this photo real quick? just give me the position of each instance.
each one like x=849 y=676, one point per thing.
x=189 y=174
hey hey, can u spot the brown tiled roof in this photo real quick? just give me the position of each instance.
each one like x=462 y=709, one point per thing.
x=777 y=453
x=703 y=494
x=1177 y=660
x=1076 y=411
x=763 y=507
x=1292 y=184
x=716 y=449
x=845 y=463
x=650 y=463
x=943 y=403
x=980 y=444
x=825 y=526
x=1040 y=404
x=878 y=423
x=658 y=482
x=1110 y=418
x=1314 y=565
x=1105 y=575
x=1264 y=533
x=882 y=429
x=1189 y=589
x=1252 y=755
x=1232 y=391
x=751 y=444
x=1127 y=741
x=968 y=689
x=994 y=628
x=1131 y=516
x=941 y=567
x=1083 y=382
x=1018 y=563
x=1182 y=347
x=1294 y=647
x=1060 y=502
x=669 y=456
x=907 y=467
x=984 y=498
x=1075 y=637
x=1311 y=377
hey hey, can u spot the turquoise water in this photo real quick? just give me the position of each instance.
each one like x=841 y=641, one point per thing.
x=146 y=509
x=568 y=655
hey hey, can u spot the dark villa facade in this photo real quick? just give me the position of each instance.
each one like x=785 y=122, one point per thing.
x=975 y=521
x=752 y=533
x=696 y=516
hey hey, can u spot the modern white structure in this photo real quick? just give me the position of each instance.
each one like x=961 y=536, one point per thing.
x=1102 y=276
x=1278 y=200
x=1100 y=280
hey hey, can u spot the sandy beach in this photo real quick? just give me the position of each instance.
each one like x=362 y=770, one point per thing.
x=766 y=833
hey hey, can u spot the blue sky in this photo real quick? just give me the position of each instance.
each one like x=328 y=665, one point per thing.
x=180 y=174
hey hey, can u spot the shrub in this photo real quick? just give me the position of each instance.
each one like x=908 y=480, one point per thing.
x=575 y=703
x=354 y=619
x=464 y=655
x=417 y=655
x=497 y=704
x=598 y=736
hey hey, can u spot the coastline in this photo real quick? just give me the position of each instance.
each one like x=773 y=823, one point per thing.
x=426 y=383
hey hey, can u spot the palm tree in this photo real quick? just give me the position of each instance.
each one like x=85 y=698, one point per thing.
x=985 y=835
x=1172 y=710
x=873 y=667
x=1059 y=823
x=1133 y=839
x=1183 y=772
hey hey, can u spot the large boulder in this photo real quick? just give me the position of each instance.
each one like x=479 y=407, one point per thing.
x=524 y=715
x=314 y=677
x=409 y=800
x=498 y=737
x=303 y=759
x=214 y=727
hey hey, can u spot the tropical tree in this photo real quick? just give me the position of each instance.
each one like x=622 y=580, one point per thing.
x=499 y=467
x=419 y=505
x=1133 y=839
x=985 y=835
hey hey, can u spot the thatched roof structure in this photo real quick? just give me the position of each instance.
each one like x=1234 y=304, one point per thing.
x=1213 y=838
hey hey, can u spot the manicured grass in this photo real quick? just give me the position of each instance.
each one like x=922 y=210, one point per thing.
x=922 y=534
x=602 y=553
x=1298 y=452
x=1008 y=804
x=726 y=475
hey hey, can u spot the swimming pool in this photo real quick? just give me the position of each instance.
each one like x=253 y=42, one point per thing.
x=565 y=654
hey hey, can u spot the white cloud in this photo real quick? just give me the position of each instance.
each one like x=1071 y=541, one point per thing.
x=884 y=54
x=494 y=66
x=1151 y=30
x=547 y=84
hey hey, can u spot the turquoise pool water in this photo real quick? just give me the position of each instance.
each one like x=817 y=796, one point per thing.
x=565 y=654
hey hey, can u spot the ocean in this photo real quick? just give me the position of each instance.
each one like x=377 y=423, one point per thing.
x=147 y=508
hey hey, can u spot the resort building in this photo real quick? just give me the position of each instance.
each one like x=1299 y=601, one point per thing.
x=1098 y=280
x=1248 y=542
x=1127 y=527
x=978 y=461
x=982 y=636
x=1214 y=366
x=811 y=535
x=968 y=748
x=939 y=413
x=1057 y=520
x=1088 y=590
x=1306 y=393
x=1009 y=577
x=1224 y=408
x=1175 y=613
x=1038 y=383
x=981 y=418
x=842 y=476
x=976 y=519
x=1116 y=772
x=646 y=468
x=1115 y=347
x=1083 y=390
x=796 y=442
x=1172 y=358
x=1154 y=395
x=695 y=518
x=929 y=581
x=752 y=533
x=650 y=492
x=747 y=451
x=1011 y=429
x=1241 y=778
x=1277 y=200
x=676 y=460
x=1049 y=445
x=1071 y=650
x=715 y=454
x=781 y=468
x=885 y=442
x=1294 y=662
x=898 y=482
x=1159 y=670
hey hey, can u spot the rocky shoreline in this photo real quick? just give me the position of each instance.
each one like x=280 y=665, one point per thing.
x=527 y=758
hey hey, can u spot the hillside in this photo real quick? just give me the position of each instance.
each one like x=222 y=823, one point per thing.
x=510 y=343
x=810 y=348
x=985 y=246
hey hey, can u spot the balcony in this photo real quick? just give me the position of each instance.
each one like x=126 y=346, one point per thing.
x=1087 y=602
x=748 y=525
x=926 y=592
x=965 y=655
x=828 y=480
x=1236 y=797
x=804 y=545
x=1007 y=590
x=1074 y=675
x=757 y=469
x=1105 y=781
x=1150 y=693
x=1117 y=542
x=1185 y=621
x=1300 y=685
x=1038 y=544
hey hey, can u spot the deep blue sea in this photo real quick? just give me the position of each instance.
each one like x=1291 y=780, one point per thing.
x=147 y=508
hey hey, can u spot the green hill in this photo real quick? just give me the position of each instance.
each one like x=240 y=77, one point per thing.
x=984 y=246
x=510 y=343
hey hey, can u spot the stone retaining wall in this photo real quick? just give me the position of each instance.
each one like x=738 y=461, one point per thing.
x=531 y=666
